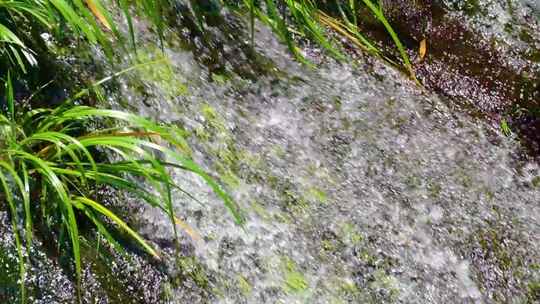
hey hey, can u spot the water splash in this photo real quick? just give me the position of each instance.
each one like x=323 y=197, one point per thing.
x=358 y=187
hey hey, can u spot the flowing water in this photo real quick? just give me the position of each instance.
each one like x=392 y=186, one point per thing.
x=357 y=186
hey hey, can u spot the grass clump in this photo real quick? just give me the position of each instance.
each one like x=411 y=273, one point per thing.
x=88 y=20
x=93 y=21
x=51 y=167
x=311 y=19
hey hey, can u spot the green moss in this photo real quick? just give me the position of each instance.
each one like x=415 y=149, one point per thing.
x=434 y=190
x=349 y=287
x=321 y=174
x=214 y=120
x=220 y=78
x=470 y=7
x=489 y=194
x=337 y=103
x=272 y=181
x=208 y=112
x=533 y=291
x=491 y=242
x=202 y=134
x=219 y=292
x=317 y=195
x=366 y=256
x=337 y=301
x=351 y=235
x=294 y=281
x=533 y=55
x=386 y=282
x=536 y=181
x=413 y=181
x=260 y=211
x=278 y=151
x=510 y=267
x=161 y=74
x=192 y=269
x=99 y=261
x=294 y=202
x=525 y=36
x=229 y=178
x=464 y=177
x=227 y=156
x=220 y=143
x=282 y=218
x=166 y=292
x=244 y=286
x=327 y=245
x=250 y=159
x=344 y=290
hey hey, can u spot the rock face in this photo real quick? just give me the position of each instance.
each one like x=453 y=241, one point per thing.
x=357 y=186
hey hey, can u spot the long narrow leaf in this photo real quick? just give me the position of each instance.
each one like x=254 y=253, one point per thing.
x=106 y=212
x=67 y=207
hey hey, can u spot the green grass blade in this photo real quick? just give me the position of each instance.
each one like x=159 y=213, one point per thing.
x=304 y=14
x=67 y=208
x=127 y=14
x=100 y=226
x=193 y=167
x=10 y=97
x=18 y=58
x=280 y=27
x=117 y=182
x=110 y=215
x=59 y=138
x=73 y=19
x=377 y=11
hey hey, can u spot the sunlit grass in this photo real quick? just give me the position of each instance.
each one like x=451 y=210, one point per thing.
x=377 y=10
x=306 y=18
x=91 y=20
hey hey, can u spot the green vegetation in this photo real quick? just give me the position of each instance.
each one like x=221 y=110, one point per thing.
x=318 y=195
x=94 y=21
x=53 y=160
x=294 y=280
x=192 y=269
x=505 y=128
x=244 y=285
x=49 y=156
x=312 y=19
x=90 y=19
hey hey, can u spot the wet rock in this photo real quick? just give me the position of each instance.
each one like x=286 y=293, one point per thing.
x=366 y=189
x=481 y=54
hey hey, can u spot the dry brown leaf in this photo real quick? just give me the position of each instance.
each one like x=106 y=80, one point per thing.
x=423 y=49
x=95 y=10
x=188 y=230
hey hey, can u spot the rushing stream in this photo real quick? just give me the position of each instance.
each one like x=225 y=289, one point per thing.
x=357 y=185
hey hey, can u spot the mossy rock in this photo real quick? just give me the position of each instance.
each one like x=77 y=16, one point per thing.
x=293 y=280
